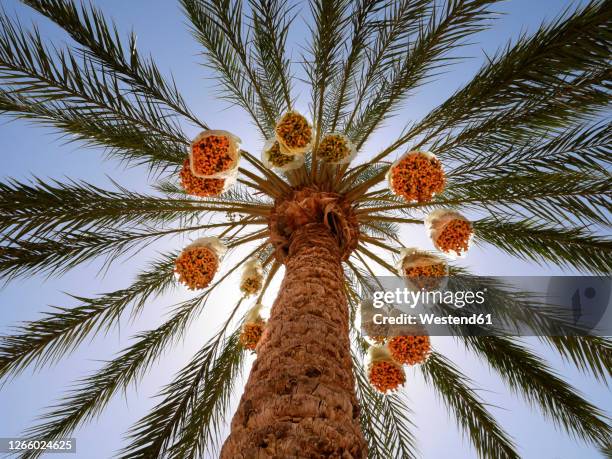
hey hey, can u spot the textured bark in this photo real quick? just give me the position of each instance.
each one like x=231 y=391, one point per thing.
x=299 y=401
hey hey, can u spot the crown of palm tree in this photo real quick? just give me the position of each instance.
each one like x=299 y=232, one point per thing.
x=525 y=146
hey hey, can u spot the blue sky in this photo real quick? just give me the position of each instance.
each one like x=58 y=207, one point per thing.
x=162 y=31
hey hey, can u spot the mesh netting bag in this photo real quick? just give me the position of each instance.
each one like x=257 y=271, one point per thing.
x=273 y=158
x=450 y=231
x=409 y=350
x=336 y=148
x=203 y=187
x=252 y=277
x=253 y=328
x=384 y=373
x=293 y=133
x=214 y=154
x=417 y=176
x=422 y=269
x=198 y=263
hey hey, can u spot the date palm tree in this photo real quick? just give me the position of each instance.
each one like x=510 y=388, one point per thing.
x=525 y=145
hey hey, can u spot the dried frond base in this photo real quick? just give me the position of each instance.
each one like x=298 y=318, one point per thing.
x=196 y=267
x=251 y=334
x=197 y=186
x=312 y=206
x=211 y=155
x=455 y=236
x=417 y=177
x=386 y=376
x=409 y=350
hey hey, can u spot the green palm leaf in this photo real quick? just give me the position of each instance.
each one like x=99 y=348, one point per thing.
x=46 y=340
x=100 y=41
x=573 y=247
x=487 y=436
x=530 y=377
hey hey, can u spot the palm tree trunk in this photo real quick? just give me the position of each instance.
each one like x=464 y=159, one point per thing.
x=300 y=398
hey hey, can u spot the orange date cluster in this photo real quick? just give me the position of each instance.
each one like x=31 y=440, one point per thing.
x=251 y=334
x=433 y=270
x=417 y=177
x=251 y=285
x=293 y=129
x=409 y=350
x=276 y=158
x=197 y=186
x=386 y=376
x=211 y=155
x=455 y=236
x=196 y=267
x=425 y=276
x=378 y=339
x=333 y=148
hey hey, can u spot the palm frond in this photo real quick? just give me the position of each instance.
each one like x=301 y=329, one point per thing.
x=270 y=22
x=363 y=28
x=100 y=40
x=193 y=404
x=459 y=20
x=529 y=68
x=572 y=247
x=589 y=353
x=63 y=251
x=324 y=63
x=530 y=377
x=559 y=109
x=91 y=394
x=487 y=436
x=556 y=197
x=361 y=176
x=359 y=281
x=218 y=26
x=268 y=177
x=121 y=140
x=35 y=209
x=209 y=411
x=374 y=257
x=233 y=201
x=393 y=31
x=585 y=147
x=46 y=340
x=381 y=229
x=520 y=311
x=60 y=88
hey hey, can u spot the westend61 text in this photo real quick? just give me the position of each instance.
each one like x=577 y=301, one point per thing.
x=432 y=319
